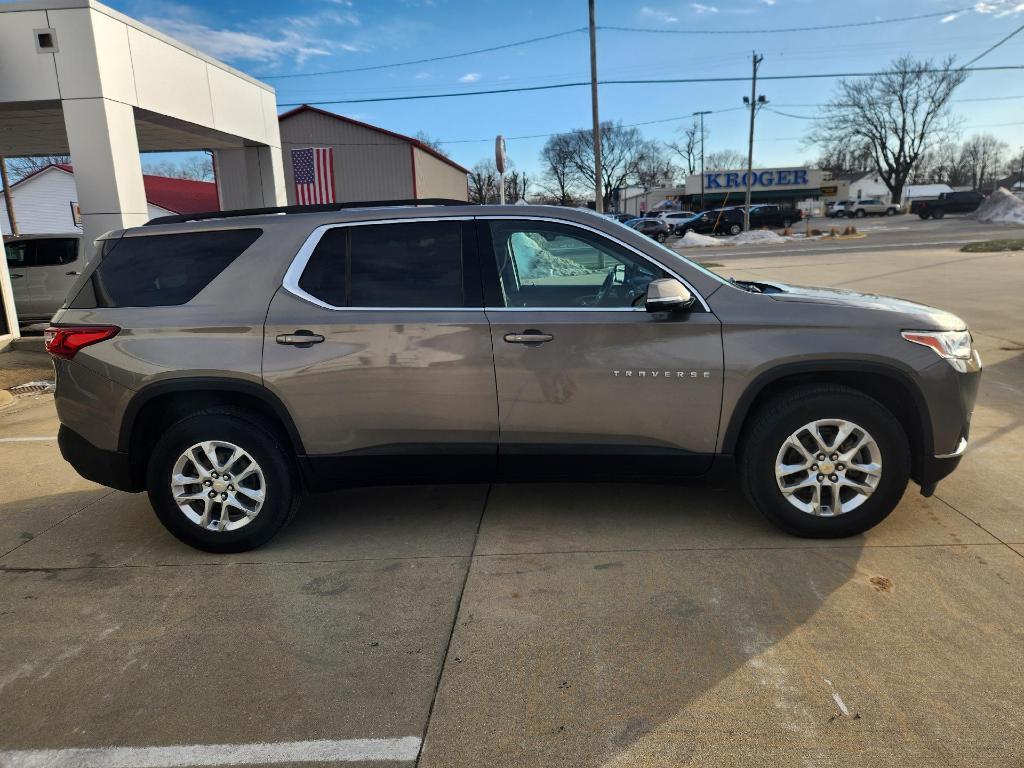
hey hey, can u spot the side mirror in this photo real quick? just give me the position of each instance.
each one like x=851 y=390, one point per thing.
x=668 y=295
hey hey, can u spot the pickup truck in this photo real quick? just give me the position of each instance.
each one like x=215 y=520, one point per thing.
x=948 y=202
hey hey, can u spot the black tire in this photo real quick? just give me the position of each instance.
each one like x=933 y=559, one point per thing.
x=860 y=213
x=786 y=223
x=772 y=425
x=924 y=215
x=735 y=229
x=661 y=237
x=890 y=212
x=246 y=431
x=938 y=213
x=682 y=233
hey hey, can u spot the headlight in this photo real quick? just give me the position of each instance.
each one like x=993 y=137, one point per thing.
x=954 y=346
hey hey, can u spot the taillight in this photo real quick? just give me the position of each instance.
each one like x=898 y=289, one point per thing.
x=66 y=341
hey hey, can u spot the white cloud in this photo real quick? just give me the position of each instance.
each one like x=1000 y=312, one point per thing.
x=768 y=2
x=470 y=77
x=701 y=8
x=1019 y=8
x=947 y=19
x=423 y=76
x=662 y=16
x=232 y=45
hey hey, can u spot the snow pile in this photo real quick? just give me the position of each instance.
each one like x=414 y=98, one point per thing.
x=693 y=240
x=764 y=236
x=1001 y=207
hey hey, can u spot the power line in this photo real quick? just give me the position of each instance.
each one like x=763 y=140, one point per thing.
x=429 y=60
x=641 y=30
x=762 y=30
x=991 y=48
x=663 y=81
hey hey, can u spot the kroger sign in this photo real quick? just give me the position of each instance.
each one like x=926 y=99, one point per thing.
x=802 y=178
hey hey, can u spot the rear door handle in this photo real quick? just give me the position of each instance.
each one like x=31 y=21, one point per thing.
x=302 y=339
x=72 y=273
x=529 y=336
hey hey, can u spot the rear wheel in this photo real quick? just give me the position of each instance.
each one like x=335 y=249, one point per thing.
x=824 y=461
x=661 y=237
x=924 y=215
x=890 y=212
x=786 y=223
x=735 y=229
x=221 y=481
x=938 y=213
x=861 y=213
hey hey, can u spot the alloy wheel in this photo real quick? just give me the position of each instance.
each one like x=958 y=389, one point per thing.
x=218 y=485
x=828 y=467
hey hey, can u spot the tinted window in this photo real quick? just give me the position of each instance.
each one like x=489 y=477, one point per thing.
x=42 y=252
x=162 y=270
x=414 y=264
x=553 y=265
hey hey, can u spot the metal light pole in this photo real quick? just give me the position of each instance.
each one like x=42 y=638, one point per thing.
x=701 y=115
x=750 y=146
x=598 y=191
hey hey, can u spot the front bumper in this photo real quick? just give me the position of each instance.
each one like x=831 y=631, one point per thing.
x=110 y=468
x=951 y=421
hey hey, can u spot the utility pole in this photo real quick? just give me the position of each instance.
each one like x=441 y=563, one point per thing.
x=598 y=191
x=8 y=199
x=750 y=145
x=701 y=115
x=1020 y=174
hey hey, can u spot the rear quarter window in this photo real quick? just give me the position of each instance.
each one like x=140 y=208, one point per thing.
x=161 y=270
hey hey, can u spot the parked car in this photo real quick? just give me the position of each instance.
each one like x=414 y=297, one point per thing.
x=870 y=207
x=837 y=210
x=229 y=362
x=674 y=217
x=655 y=228
x=773 y=216
x=948 y=202
x=718 y=221
x=43 y=268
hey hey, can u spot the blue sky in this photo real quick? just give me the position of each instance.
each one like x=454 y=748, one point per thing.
x=272 y=38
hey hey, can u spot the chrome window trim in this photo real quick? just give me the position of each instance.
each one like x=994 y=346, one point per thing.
x=602 y=233
x=298 y=265
x=291 y=277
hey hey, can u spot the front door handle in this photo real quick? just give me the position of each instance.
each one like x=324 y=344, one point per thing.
x=16 y=277
x=302 y=339
x=72 y=273
x=529 y=336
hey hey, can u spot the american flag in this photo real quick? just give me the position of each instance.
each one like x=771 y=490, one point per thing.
x=313 y=170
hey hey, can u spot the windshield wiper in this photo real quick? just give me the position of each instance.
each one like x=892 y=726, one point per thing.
x=746 y=285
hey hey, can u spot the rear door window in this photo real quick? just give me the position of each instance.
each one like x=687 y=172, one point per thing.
x=53 y=252
x=162 y=270
x=400 y=265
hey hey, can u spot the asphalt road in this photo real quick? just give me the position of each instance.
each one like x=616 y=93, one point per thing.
x=536 y=625
x=881 y=233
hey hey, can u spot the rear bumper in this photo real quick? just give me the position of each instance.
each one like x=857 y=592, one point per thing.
x=110 y=468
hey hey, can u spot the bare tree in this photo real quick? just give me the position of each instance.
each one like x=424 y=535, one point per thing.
x=517 y=185
x=839 y=160
x=984 y=157
x=483 y=182
x=20 y=167
x=897 y=113
x=198 y=167
x=425 y=138
x=622 y=149
x=688 y=146
x=559 y=173
x=725 y=160
x=653 y=169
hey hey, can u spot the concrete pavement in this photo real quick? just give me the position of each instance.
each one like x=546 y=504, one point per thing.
x=541 y=625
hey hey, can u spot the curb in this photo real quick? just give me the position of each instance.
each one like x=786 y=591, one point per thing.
x=6 y=399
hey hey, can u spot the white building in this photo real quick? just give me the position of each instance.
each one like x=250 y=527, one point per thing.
x=46 y=202
x=865 y=186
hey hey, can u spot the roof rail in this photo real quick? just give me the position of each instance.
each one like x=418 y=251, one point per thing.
x=326 y=208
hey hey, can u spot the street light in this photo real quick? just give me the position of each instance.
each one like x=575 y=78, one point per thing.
x=701 y=115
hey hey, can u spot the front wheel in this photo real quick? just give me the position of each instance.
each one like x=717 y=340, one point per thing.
x=890 y=212
x=938 y=213
x=786 y=223
x=735 y=229
x=661 y=237
x=861 y=213
x=221 y=481
x=924 y=215
x=824 y=461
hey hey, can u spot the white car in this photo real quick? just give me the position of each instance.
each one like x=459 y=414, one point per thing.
x=674 y=217
x=42 y=269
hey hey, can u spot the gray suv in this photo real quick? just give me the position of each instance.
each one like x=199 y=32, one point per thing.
x=227 y=363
